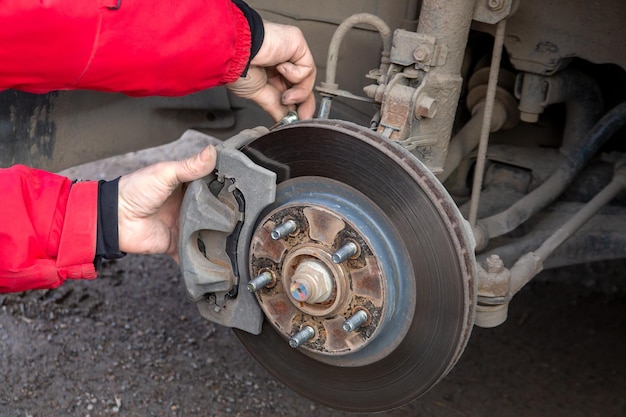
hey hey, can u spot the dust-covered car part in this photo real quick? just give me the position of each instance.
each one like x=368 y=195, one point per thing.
x=217 y=220
x=363 y=267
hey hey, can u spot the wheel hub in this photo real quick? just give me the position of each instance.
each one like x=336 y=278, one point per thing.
x=333 y=275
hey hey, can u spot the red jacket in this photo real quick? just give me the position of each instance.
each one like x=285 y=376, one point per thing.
x=47 y=225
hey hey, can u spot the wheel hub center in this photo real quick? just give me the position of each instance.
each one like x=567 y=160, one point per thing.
x=325 y=274
x=312 y=282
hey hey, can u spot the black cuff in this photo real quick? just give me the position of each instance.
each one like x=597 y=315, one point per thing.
x=257 y=31
x=107 y=239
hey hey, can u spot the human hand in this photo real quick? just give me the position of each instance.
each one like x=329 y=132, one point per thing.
x=281 y=75
x=149 y=203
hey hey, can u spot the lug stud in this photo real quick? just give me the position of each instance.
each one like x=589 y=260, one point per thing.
x=261 y=281
x=302 y=336
x=284 y=230
x=355 y=321
x=346 y=251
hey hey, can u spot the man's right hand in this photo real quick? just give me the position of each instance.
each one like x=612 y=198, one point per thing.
x=281 y=76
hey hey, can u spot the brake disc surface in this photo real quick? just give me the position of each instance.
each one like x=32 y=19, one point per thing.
x=413 y=272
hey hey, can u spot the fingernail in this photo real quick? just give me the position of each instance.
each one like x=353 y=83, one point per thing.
x=206 y=154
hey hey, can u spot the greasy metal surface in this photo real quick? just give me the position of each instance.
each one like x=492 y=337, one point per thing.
x=440 y=251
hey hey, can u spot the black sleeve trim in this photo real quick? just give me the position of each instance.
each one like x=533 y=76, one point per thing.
x=257 y=31
x=107 y=238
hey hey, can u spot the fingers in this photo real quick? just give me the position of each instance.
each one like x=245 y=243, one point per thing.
x=263 y=90
x=301 y=94
x=306 y=110
x=269 y=98
x=285 y=49
x=196 y=167
x=173 y=173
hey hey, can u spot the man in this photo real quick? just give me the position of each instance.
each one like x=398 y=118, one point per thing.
x=53 y=229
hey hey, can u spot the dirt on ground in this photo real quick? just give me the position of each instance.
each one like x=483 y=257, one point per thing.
x=130 y=343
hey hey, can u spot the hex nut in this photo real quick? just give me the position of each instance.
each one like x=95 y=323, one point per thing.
x=426 y=107
x=420 y=54
x=315 y=279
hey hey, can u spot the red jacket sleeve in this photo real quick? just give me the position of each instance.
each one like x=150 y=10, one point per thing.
x=139 y=48
x=48 y=229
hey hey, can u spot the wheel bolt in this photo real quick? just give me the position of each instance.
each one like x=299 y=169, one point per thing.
x=346 y=251
x=284 y=230
x=260 y=282
x=355 y=321
x=302 y=336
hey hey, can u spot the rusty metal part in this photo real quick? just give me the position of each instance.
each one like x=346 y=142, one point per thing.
x=319 y=291
x=436 y=291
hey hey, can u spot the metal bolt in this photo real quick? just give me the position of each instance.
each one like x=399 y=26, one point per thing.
x=260 y=282
x=311 y=282
x=426 y=107
x=355 y=321
x=495 y=5
x=324 y=111
x=284 y=230
x=289 y=118
x=346 y=251
x=302 y=336
x=494 y=264
x=420 y=54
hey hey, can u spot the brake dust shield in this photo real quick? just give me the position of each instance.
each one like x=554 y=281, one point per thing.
x=410 y=270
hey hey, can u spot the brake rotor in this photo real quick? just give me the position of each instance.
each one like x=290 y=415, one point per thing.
x=359 y=229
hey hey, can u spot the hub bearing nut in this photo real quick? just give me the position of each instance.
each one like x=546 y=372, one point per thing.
x=312 y=282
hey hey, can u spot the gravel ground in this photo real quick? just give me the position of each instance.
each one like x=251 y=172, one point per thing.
x=130 y=343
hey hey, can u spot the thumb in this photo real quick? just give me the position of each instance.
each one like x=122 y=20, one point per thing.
x=195 y=167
